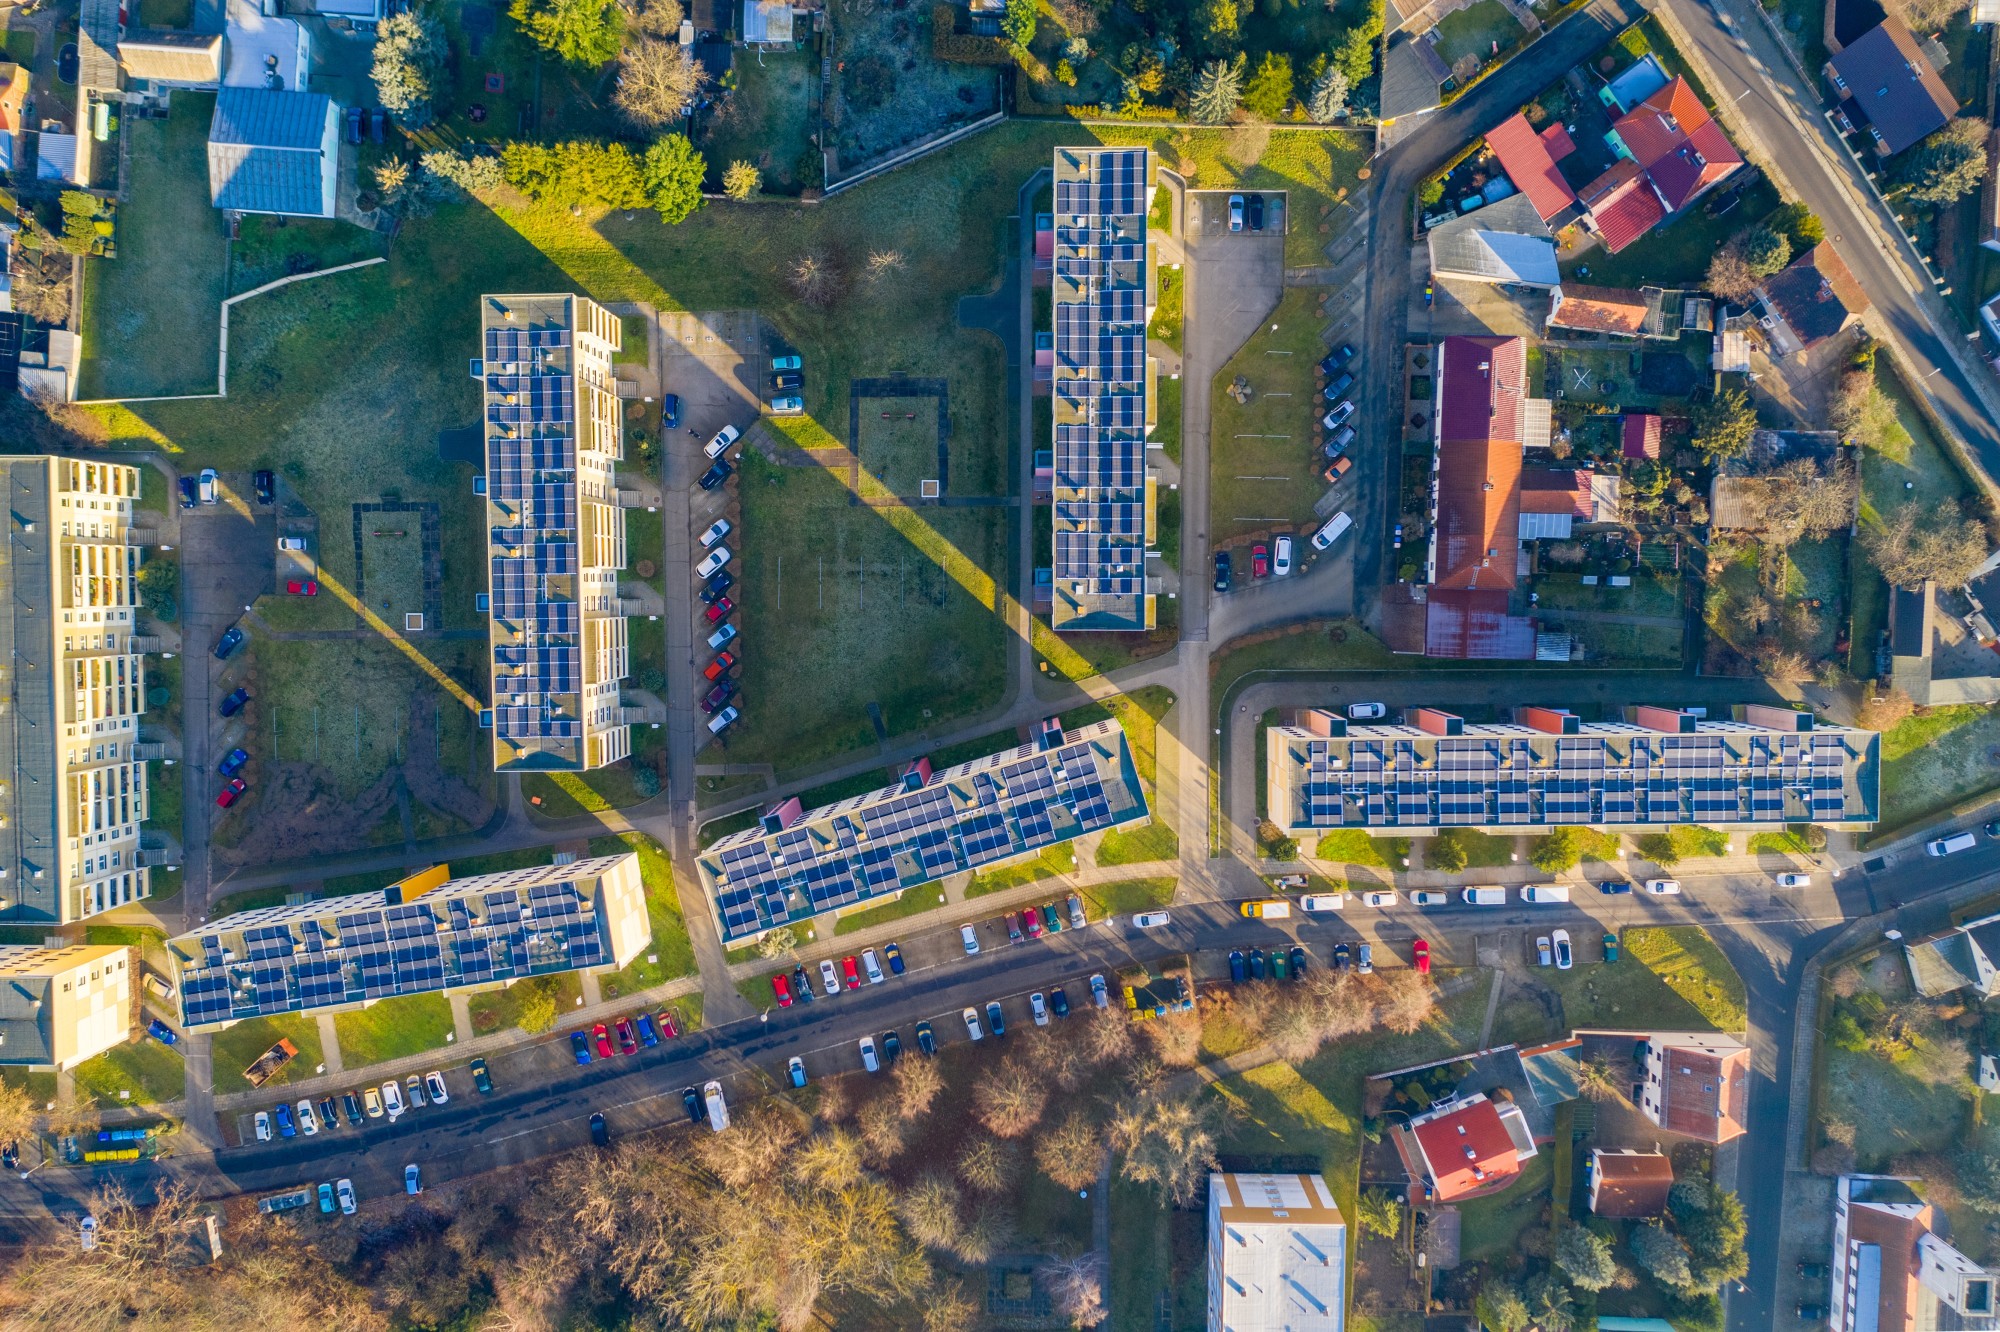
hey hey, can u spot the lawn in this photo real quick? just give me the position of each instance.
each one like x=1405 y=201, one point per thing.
x=264 y=251
x=1490 y=1227
x=1126 y=896
x=1648 y=595
x=1138 y=713
x=235 y=1048
x=1167 y=430
x=1351 y=846
x=1169 y=313
x=1475 y=30
x=392 y=1029
x=913 y=902
x=1482 y=850
x=671 y=944
x=768 y=122
x=164 y=795
x=500 y=1010
x=1054 y=860
x=1317 y=167
x=150 y=1071
x=1677 y=256
x=1935 y=759
x=1673 y=978
x=150 y=316
x=21 y=43
x=392 y=567
x=1138 y=846
x=1263 y=471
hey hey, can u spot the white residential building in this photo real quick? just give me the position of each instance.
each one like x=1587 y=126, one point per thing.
x=1893 y=1268
x=1277 y=1255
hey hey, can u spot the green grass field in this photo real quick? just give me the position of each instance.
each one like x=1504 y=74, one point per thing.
x=913 y=902
x=1490 y=1227
x=236 y=1048
x=1674 y=978
x=392 y=566
x=150 y=316
x=1678 y=255
x=1474 y=29
x=1263 y=472
x=1934 y=760
x=393 y=1028
x=498 y=1010
x=671 y=944
x=145 y=1069
x=768 y=122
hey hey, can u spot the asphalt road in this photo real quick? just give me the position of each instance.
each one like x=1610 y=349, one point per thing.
x=1757 y=76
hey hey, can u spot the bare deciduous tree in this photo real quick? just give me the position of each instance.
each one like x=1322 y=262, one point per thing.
x=1729 y=276
x=17 y=1113
x=884 y=264
x=1107 y=1036
x=987 y=1165
x=755 y=1146
x=1168 y=1142
x=988 y=1234
x=1076 y=1288
x=948 y=1308
x=1405 y=999
x=1176 y=1038
x=918 y=1083
x=654 y=18
x=1009 y=1100
x=816 y=279
x=656 y=81
x=1940 y=544
x=883 y=1129
x=1926 y=15
x=1881 y=712
x=930 y=1211
x=1071 y=1152
x=1598 y=1081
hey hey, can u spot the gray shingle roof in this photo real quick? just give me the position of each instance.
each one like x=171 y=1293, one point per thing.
x=24 y=1036
x=264 y=151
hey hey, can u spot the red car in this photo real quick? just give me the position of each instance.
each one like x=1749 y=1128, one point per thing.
x=783 y=989
x=853 y=970
x=237 y=786
x=1260 y=561
x=1031 y=920
x=603 y=1037
x=719 y=611
x=720 y=666
x=1422 y=951
x=669 y=1028
x=302 y=587
x=628 y=1039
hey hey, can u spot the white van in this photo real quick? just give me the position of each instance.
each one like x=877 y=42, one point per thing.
x=1336 y=526
x=1958 y=841
x=1486 y=895
x=1544 y=893
x=718 y=1109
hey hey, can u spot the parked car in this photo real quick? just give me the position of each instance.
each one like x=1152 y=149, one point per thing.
x=795 y=1071
x=670 y=411
x=1341 y=442
x=1564 y=958
x=719 y=611
x=1950 y=845
x=1030 y=922
x=1542 y=894
x=1337 y=358
x=1013 y=921
x=789 y=379
x=871 y=968
x=600 y=1040
x=782 y=988
x=234 y=703
x=869 y=1063
x=713 y=561
x=972 y=1029
x=413 y=1182
x=1222 y=571
x=1421 y=952
x=1364 y=959
x=788 y=405
x=1615 y=888
x=829 y=978
x=1281 y=557
x=373 y=1100
x=1336 y=418
x=1059 y=1002
x=1050 y=918
x=892 y=1048
x=715 y=532
x=308 y=1118
x=1274 y=908
x=1795 y=880
x=1336 y=469
x=852 y=970
x=1077 y=918
x=1610 y=946
x=351 y=1105
x=1366 y=712
x=481 y=1079
x=1334 y=529
x=355 y=116
x=378 y=125
x=994 y=1018
x=1257 y=964
x=720 y=666
x=190 y=496
x=229 y=642
x=1341 y=953
x=1379 y=898
x=1337 y=390
x=283 y=1115
x=579 y=1045
x=1151 y=920
x=648 y=1037
x=727 y=633
x=786 y=362
x=715 y=475
x=1315 y=902
x=233 y=762
x=414 y=1085
x=726 y=718
x=266 y=486
x=691 y=1105
x=1811 y=1313
x=1038 y=1008
x=599 y=1133
x=1298 y=962
x=1256 y=202
x=326 y=1199
x=1663 y=887
x=301 y=587
x=235 y=787
x=892 y=953
x=970 y=938
x=1543 y=952
x=262 y=1122
x=1236 y=212
x=343 y=1189
x=802 y=987
x=1426 y=898
x=1260 y=561
x=724 y=437
x=1812 y=1271
x=207 y=484
x=1098 y=994
x=926 y=1038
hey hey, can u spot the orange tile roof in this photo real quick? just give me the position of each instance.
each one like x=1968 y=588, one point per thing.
x=1599 y=310
x=1897 y=1236
x=1702 y=1095
x=1467 y=1150
x=1524 y=156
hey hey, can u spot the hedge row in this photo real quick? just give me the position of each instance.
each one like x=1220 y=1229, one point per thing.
x=965 y=48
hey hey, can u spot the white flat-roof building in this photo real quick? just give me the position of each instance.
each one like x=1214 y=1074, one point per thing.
x=60 y=1006
x=1277 y=1254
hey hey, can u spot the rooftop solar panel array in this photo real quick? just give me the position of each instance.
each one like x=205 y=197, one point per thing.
x=1099 y=336
x=357 y=953
x=1395 y=777
x=964 y=818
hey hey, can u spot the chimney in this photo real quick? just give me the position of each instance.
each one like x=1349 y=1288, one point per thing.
x=1435 y=721
x=782 y=815
x=1553 y=721
x=917 y=775
x=1667 y=721
x=1777 y=719
x=1322 y=722
x=1049 y=734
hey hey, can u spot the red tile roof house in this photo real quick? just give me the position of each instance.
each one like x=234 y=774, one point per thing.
x=1586 y=309
x=1629 y=1184
x=1484 y=421
x=1641 y=436
x=1697 y=1084
x=1468 y=1147
x=1891 y=87
x=1671 y=152
x=1529 y=159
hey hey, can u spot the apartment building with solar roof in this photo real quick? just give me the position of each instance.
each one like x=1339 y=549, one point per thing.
x=796 y=863
x=427 y=934
x=1103 y=291
x=555 y=534
x=1657 y=767
x=72 y=782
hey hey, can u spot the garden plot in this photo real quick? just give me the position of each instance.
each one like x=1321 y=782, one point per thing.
x=890 y=91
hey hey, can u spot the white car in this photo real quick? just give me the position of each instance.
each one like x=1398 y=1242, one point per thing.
x=343 y=1189
x=291 y=543
x=716 y=640
x=712 y=561
x=716 y=531
x=263 y=1126
x=1150 y=920
x=1336 y=526
x=434 y=1082
x=970 y=938
x=972 y=1028
x=724 y=437
x=1541 y=894
x=829 y=979
x=1323 y=902
x=1542 y=948
x=1097 y=991
x=208 y=485
x=1381 y=897
x=1795 y=880
x=869 y=965
x=869 y=1062
x=1040 y=1008
x=1366 y=712
x=392 y=1097
x=1281 y=557
x=413 y=1182
x=308 y=1121
x=1663 y=887
x=789 y=405
x=1564 y=958
x=1422 y=898
x=718 y=1106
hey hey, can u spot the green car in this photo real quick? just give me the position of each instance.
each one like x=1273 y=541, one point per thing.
x=480 y=1077
x=1610 y=947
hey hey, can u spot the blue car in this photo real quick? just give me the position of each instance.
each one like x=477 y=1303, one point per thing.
x=234 y=703
x=189 y=495
x=994 y=1020
x=1237 y=971
x=162 y=1033
x=581 y=1045
x=1614 y=888
x=895 y=955
x=230 y=765
x=326 y=1199
x=670 y=411
x=284 y=1117
x=230 y=642
x=647 y=1036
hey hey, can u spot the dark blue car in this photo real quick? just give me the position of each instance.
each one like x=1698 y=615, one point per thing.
x=283 y=1114
x=894 y=953
x=189 y=495
x=670 y=411
x=230 y=642
x=234 y=703
x=162 y=1033
x=231 y=765
x=581 y=1045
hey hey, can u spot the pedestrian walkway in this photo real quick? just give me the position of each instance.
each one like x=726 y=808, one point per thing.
x=329 y=1045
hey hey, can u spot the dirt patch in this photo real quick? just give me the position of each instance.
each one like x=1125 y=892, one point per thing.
x=298 y=812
